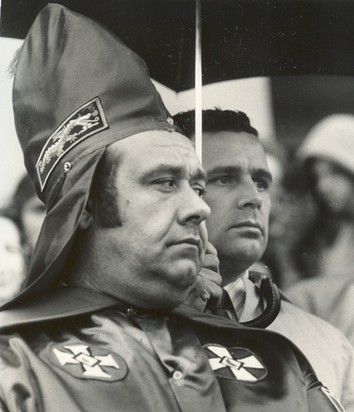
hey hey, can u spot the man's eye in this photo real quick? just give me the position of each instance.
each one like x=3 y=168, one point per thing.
x=222 y=180
x=166 y=184
x=262 y=184
x=200 y=190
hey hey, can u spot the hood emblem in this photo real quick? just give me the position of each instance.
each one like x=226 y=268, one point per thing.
x=89 y=119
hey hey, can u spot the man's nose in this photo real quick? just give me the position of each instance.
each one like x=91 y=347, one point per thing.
x=192 y=208
x=248 y=195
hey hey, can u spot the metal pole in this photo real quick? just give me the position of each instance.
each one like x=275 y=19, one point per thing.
x=198 y=80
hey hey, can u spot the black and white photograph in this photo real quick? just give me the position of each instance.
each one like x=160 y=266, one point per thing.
x=177 y=206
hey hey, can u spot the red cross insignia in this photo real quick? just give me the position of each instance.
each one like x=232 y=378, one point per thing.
x=235 y=363
x=89 y=362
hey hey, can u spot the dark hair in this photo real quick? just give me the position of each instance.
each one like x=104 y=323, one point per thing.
x=215 y=120
x=104 y=192
x=24 y=191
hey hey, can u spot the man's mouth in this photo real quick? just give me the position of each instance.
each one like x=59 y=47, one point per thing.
x=190 y=240
x=248 y=224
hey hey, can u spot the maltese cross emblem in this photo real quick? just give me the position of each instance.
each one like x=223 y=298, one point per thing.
x=235 y=363
x=88 y=362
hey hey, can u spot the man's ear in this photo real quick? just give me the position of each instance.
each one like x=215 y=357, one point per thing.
x=86 y=218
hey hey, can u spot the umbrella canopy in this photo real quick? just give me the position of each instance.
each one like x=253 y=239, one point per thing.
x=243 y=38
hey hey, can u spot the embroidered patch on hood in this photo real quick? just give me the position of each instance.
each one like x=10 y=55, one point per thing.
x=84 y=122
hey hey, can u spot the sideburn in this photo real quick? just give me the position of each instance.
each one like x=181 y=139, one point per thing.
x=104 y=193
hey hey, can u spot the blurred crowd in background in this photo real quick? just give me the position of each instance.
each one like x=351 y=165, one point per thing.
x=310 y=254
x=312 y=222
x=20 y=223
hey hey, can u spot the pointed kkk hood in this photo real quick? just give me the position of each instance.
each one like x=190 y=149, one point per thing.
x=77 y=89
